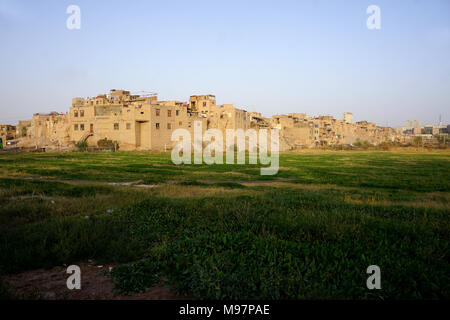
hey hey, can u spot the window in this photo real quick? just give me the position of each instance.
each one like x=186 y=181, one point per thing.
x=157 y=112
x=180 y=123
x=204 y=104
x=81 y=113
x=75 y=127
x=169 y=113
x=169 y=126
x=82 y=127
x=128 y=126
x=75 y=113
x=116 y=126
x=157 y=125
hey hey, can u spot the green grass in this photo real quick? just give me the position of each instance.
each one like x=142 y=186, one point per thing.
x=213 y=232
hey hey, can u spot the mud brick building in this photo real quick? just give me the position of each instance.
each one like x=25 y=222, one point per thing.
x=142 y=122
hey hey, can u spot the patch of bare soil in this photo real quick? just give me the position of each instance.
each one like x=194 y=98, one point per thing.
x=247 y=182
x=95 y=285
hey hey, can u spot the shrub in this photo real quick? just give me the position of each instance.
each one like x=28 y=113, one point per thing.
x=82 y=146
x=104 y=143
x=362 y=144
x=135 y=277
x=385 y=146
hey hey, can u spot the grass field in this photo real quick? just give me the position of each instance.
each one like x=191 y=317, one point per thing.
x=226 y=232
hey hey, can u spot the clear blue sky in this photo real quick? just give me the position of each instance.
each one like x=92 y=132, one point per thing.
x=274 y=57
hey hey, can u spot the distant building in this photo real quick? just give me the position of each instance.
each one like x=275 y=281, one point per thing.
x=7 y=132
x=138 y=122
x=400 y=129
x=135 y=122
x=22 y=128
x=348 y=117
x=411 y=124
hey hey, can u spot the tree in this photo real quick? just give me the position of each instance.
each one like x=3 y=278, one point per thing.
x=418 y=142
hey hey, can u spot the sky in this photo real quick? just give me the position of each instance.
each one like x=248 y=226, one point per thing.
x=274 y=57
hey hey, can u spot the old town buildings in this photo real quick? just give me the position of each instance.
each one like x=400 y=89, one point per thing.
x=7 y=132
x=142 y=122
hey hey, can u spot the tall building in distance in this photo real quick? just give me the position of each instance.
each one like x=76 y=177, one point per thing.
x=348 y=117
x=411 y=124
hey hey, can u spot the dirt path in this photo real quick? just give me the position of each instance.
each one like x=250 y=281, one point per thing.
x=51 y=285
x=247 y=182
x=139 y=184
